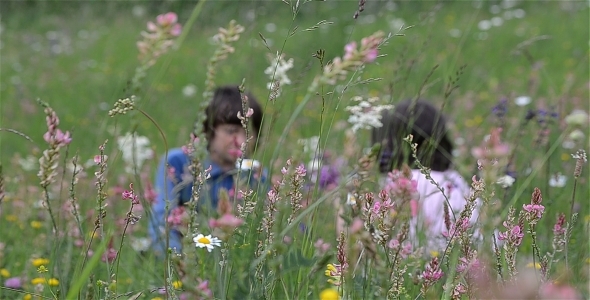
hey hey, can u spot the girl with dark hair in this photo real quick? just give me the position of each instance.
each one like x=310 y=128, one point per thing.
x=427 y=125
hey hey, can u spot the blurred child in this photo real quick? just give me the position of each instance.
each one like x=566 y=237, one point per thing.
x=224 y=134
x=427 y=125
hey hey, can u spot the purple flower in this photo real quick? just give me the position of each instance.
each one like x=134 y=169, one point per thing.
x=13 y=283
x=535 y=210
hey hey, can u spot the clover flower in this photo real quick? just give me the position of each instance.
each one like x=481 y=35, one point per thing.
x=208 y=242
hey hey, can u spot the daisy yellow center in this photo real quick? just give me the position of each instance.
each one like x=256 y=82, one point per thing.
x=204 y=240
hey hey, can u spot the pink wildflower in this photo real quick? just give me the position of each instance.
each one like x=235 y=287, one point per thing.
x=167 y=19
x=432 y=272
x=227 y=221
x=558 y=228
x=177 y=216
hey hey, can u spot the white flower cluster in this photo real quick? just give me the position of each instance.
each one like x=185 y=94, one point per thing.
x=135 y=150
x=365 y=114
x=277 y=72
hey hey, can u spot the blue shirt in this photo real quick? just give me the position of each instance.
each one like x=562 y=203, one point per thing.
x=177 y=191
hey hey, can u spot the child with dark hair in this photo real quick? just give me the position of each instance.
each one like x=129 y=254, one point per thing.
x=225 y=135
x=428 y=127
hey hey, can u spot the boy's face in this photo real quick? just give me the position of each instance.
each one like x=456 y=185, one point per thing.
x=224 y=148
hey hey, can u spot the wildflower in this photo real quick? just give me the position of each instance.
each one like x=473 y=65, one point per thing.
x=537 y=266
x=581 y=159
x=4 y=273
x=513 y=235
x=321 y=246
x=177 y=284
x=57 y=138
x=334 y=271
x=576 y=136
x=558 y=180
x=351 y=199
x=38 y=280
x=227 y=221
x=522 y=100
x=130 y=195
x=135 y=150
x=505 y=181
x=53 y=282
x=366 y=115
x=577 y=117
x=329 y=294
x=99 y=159
x=189 y=90
x=277 y=73
x=208 y=242
x=42 y=269
x=13 y=283
x=432 y=272
x=37 y=262
x=27 y=297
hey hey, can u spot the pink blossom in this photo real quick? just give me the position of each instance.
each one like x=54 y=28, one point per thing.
x=558 y=228
x=349 y=50
x=514 y=235
x=98 y=159
x=432 y=272
x=534 y=210
x=370 y=55
x=58 y=137
x=203 y=287
x=321 y=246
x=176 y=217
x=167 y=19
x=109 y=255
x=227 y=221
x=130 y=195
x=152 y=27
x=176 y=30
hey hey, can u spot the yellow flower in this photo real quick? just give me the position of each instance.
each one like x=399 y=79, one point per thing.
x=330 y=268
x=4 y=273
x=27 y=297
x=53 y=282
x=36 y=224
x=537 y=265
x=38 y=280
x=177 y=284
x=42 y=269
x=434 y=253
x=11 y=218
x=157 y=298
x=329 y=294
x=37 y=262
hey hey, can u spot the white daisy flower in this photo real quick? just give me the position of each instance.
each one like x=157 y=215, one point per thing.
x=505 y=181
x=522 y=100
x=350 y=199
x=557 y=180
x=208 y=242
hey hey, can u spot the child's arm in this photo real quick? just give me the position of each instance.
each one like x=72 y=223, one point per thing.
x=157 y=222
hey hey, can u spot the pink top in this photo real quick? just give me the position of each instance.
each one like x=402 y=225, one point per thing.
x=428 y=211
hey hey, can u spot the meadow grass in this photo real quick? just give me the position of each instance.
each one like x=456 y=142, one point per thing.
x=80 y=62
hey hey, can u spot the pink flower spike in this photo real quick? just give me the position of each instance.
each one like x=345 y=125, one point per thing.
x=167 y=19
